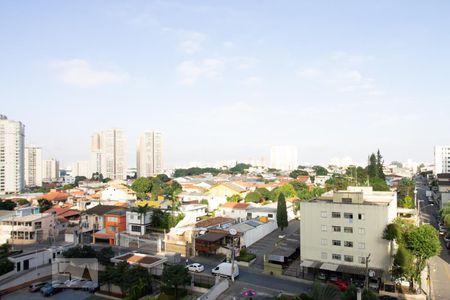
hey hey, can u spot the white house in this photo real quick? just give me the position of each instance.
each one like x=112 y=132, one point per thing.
x=28 y=229
x=137 y=223
x=117 y=193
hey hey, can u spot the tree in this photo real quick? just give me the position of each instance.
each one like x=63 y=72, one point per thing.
x=234 y=198
x=294 y=174
x=6 y=266
x=78 y=179
x=282 y=220
x=286 y=189
x=324 y=292
x=240 y=168
x=104 y=256
x=406 y=202
x=142 y=210
x=423 y=242
x=392 y=232
x=265 y=193
x=7 y=205
x=22 y=202
x=369 y=295
x=195 y=171
x=299 y=186
x=142 y=186
x=320 y=171
x=336 y=183
x=174 y=277
x=253 y=197
x=84 y=251
x=403 y=266
x=397 y=164
x=380 y=163
x=163 y=177
x=379 y=184
x=372 y=168
x=357 y=175
x=350 y=293
x=44 y=205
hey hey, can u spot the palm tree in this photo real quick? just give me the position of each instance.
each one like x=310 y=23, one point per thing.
x=324 y=292
x=142 y=210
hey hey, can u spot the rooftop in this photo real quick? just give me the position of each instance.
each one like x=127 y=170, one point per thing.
x=140 y=258
x=214 y=222
x=100 y=209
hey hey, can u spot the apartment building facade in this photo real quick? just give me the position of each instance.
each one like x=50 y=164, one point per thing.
x=339 y=231
x=33 y=166
x=12 y=156
x=29 y=229
x=441 y=159
x=149 y=154
x=50 y=170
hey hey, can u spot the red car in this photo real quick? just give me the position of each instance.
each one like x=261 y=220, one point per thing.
x=340 y=285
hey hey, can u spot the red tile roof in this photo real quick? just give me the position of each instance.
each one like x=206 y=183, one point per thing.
x=55 y=196
x=236 y=205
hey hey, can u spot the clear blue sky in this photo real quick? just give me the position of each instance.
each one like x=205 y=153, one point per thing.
x=228 y=79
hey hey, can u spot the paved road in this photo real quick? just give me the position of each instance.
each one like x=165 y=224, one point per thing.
x=64 y=295
x=439 y=265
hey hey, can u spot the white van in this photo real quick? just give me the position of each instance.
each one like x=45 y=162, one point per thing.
x=224 y=269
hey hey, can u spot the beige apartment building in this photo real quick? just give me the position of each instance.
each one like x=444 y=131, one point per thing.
x=339 y=230
x=28 y=229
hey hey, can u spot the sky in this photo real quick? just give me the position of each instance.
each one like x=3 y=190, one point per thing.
x=228 y=79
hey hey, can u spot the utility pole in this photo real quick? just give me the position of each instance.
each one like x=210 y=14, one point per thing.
x=366 y=283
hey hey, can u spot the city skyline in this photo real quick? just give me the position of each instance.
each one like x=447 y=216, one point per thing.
x=206 y=75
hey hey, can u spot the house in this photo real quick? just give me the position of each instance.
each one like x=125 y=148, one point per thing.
x=28 y=229
x=93 y=218
x=227 y=189
x=137 y=223
x=154 y=264
x=115 y=222
x=189 y=197
x=235 y=210
x=304 y=179
x=251 y=231
x=29 y=260
x=117 y=191
x=55 y=196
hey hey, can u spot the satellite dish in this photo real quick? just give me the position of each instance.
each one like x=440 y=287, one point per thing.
x=233 y=231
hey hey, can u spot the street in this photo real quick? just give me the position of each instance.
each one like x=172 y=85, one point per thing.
x=439 y=265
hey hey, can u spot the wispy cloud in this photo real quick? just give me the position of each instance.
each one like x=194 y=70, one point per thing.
x=190 y=71
x=191 y=42
x=341 y=72
x=81 y=73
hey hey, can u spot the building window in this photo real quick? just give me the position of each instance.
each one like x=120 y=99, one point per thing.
x=361 y=230
x=348 y=229
x=324 y=255
x=348 y=215
x=348 y=258
x=336 y=256
x=336 y=243
x=362 y=260
x=348 y=244
x=135 y=228
x=270 y=216
x=323 y=242
x=361 y=246
x=336 y=228
x=347 y=200
x=323 y=214
x=324 y=228
x=360 y=216
x=112 y=219
x=335 y=214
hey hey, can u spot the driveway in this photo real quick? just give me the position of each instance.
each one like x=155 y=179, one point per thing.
x=267 y=244
x=68 y=294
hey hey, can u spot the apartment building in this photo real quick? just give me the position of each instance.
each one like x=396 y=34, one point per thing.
x=341 y=229
x=149 y=154
x=284 y=157
x=50 y=171
x=108 y=154
x=27 y=229
x=33 y=166
x=441 y=159
x=12 y=156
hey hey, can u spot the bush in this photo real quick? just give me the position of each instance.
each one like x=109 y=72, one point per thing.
x=246 y=256
x=6 y=266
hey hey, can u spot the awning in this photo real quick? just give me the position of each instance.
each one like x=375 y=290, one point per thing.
x=329 y=267
x=307 y=263
x=376 y=273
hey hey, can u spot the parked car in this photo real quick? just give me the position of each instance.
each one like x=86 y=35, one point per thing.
x=447 y=238
x=341 y=285
x=90 y=286
x=195 y=267
x=75 y=283
x=57 y=283
x=224 y=270
x=34 y=287
x=49 y=290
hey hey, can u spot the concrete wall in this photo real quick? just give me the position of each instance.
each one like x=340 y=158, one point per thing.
x=254 y=235
x=215 y=291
